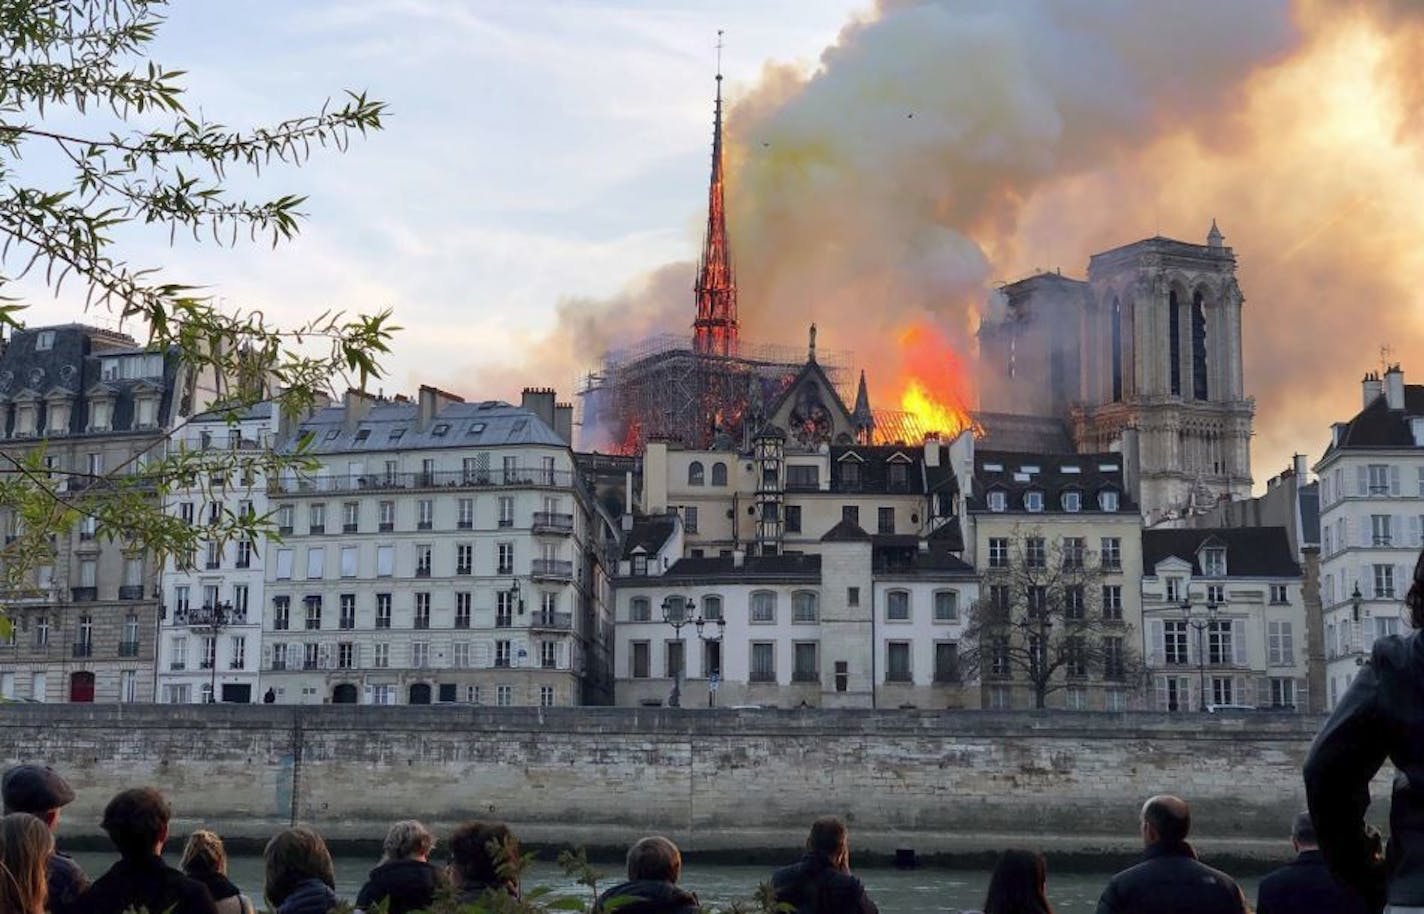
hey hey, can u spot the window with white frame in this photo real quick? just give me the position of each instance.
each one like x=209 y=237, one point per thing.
x=803 y=606
x=1112 y=602
x=1384 y=581
x=1033 y=501
x=1280 y=643
x=1280 y=593
x=897 y=605
x=998 y=552
x=1110 y=553
x=1035 y=552
x=998 y=501
x=381 y=655
x=763 y=606
x=1107 y=500
x=1174 y=641
x=946 y=606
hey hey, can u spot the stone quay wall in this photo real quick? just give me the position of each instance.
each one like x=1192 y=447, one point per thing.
x=947 y=784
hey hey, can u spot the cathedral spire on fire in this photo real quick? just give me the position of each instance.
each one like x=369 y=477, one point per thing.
x=715 y=329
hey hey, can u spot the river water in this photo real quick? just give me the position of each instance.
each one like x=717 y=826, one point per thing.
x=920 y=891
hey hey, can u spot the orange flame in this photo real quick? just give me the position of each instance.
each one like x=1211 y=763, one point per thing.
x=936 y=389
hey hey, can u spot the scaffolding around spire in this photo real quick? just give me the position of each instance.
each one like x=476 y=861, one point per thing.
x=715 y=327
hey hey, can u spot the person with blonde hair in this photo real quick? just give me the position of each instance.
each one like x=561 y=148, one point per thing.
x=205 y=859
x=300 y=877
x=405 y=879
x=25 y=846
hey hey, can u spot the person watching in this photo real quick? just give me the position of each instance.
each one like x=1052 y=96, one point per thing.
x=1170 y=880
x=41 y=792
x=654 y=867
x=137 y=823
x=820 y=882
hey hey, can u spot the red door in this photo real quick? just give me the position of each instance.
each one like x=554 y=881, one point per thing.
x=81 y=687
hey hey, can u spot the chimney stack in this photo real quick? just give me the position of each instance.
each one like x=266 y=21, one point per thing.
x=932 y=449
x=564 y=422
x=432 y=400
x=540 y=402
x=354 y=407
x=1371 y=387
x=1300 y=469
x=1394 y=387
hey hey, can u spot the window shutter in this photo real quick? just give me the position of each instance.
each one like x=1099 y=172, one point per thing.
x=266 y=656
x=1366 y=533
x=1238 y=641
x=1155 y=656
x=1362 y=480
x=1394 y=480
x=1366 y=581
x=1161 y=688
x=1416 y=521
x=1287 y=644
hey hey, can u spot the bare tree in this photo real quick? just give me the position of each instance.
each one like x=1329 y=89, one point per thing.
x=1042 y=619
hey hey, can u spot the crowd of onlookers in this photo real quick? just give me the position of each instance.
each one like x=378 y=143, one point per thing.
x=483 y=857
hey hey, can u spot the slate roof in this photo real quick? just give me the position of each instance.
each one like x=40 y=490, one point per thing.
x=847 y=531
x=755 y=569
x=914 y=562
x=650 y=533
x=948 y=535
x=1054 y=476
x=1251 y=552
x=491 y=423
x=874 y=462
x=1378 y=426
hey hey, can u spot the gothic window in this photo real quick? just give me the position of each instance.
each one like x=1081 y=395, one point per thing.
x=1116 y=351
x=1174 y=338
x=1199 y=388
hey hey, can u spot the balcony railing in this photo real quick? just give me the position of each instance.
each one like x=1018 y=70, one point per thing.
x=128 y=648
x=762 y=676
x=350 y=528
x=84 y=594
x=503 y=622
x=502 y=662
x=209 y=616
x=131 y=592
x=422 y=571
x=553 y=569
x=549 y=522
x=559 y=621
x=455 y=479
x=462 y=621
x=420 y=623
x=948 y=676
x=177 y=665
x=83 y=649
x=805 y=676
x=898 y=676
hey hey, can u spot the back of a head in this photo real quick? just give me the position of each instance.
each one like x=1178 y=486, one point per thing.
x=294 y=856
x=1170 y=817
x=204 y=854
x=1303 y=831
x=654 y=858
x=25 y=846
x=828 y=836
x=1017 y=884
x=1414 y=599
x=136 y=820
x=479 y=849
x=406 y=839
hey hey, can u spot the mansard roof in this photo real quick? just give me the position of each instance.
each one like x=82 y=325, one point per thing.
x=491 y=423
x=649 y=534
x=755 y=569
x=1251 y=552
x=1378 y=426
x=1053 y=475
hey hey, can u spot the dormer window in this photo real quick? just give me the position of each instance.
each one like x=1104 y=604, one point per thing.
x=850 y=475
x=101 y=414
x=1107 y=500
x=899 y=477
x=57 y=419
x=1213 y=560
x=1033 y=501
x=25 y=419
x=1072 y=501
x=998 y=501
x=44 y=341
x=146 y=412
x=640 y=565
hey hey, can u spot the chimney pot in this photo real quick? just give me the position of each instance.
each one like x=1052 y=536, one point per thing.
x=1394 y=387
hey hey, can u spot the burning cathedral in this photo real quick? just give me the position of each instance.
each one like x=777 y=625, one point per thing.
x=1143 y=357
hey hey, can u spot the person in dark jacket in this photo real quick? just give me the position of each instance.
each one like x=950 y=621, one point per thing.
x=484 y=856
x=1380 y=716
x=1306 y=885
x=137 y=823
x=654 y=866
x=300 y=878
x=820 y=882
x=1018 y=884
x=41 y=792
x=405 y=878
x=1170 y=880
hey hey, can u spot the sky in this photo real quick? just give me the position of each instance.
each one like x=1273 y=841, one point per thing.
x=540 y=189
x=534 y=151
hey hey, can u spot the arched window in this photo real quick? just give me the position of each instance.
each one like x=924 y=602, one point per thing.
x=1116 y=350
x=897 y=606
x=712 y=607
x=1107 y=500
x=1072 y=501
x=804 y=606
x=640 y=609
x=674 y=607
x=420 y=693
x=946 y=606
x=1174 y=339
x=343 y=694
x=719 y=474
x=695 y=473
x=763 y=606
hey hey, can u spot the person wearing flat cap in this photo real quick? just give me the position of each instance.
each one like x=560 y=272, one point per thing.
x=41 y=792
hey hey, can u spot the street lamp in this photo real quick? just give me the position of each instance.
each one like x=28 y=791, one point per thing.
x=212 y=620
x=515 y=599
x=1196 y=621
x=677 y=612
x=1356 y=599
x=712 y=675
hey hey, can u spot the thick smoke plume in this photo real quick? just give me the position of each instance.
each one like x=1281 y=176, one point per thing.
x=941 y=146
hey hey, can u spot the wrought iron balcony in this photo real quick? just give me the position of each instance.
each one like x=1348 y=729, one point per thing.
x=762 y=676
x=951 y=676
x=84 y=594
x=898 y=676
x=805 y=676
x=558 y=524
x=209 y=616
x=536 y=477
x=552 y=569
x=83 y=649
x=128 y=648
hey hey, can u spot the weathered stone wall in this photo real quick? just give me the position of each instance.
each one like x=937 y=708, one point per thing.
x=940 y=782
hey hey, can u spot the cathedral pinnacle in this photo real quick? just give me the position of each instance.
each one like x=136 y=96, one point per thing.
x=715 y=329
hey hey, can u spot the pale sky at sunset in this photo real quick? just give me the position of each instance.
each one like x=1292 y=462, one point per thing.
x=535 y=150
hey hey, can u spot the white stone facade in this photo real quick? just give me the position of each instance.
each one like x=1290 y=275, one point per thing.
x=1371 y=524
x=210 y=628
x=443 y=552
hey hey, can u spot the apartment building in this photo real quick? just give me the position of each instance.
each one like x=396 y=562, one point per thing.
x=443 y=551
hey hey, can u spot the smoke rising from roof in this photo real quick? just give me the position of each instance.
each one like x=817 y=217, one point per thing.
x=942 y=145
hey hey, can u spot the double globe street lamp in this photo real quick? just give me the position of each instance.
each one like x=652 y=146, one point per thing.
x=1200 y=622
x=677 y=612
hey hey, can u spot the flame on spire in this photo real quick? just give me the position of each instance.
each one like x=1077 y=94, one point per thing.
x=715 y=329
